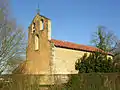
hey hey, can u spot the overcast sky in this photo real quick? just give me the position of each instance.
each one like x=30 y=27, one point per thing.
x=72 y=20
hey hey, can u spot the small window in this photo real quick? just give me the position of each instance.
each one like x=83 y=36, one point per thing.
x=33 y=27
x=41 y=24
x=36 y=42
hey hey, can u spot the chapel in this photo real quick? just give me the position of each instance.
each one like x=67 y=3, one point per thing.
x=46 y=55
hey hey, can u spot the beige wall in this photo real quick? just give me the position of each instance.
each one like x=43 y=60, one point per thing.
x=64 y=60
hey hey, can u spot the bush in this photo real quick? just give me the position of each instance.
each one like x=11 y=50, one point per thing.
x=96 y=62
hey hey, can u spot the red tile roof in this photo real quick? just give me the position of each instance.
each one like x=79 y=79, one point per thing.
x=70 y=45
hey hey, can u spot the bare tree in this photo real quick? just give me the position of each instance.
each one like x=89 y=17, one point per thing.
x=105 y=39
x=12 y=45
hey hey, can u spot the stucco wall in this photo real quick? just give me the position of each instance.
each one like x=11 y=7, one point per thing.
x=64 y=60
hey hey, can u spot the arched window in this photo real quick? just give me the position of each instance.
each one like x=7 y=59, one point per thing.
x=36 y=42
x=33 y=27
x=41 y=24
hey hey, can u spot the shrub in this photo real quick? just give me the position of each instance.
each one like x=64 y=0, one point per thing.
x=96 y=62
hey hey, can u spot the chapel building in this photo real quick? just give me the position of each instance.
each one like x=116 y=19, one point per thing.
x=50 y=56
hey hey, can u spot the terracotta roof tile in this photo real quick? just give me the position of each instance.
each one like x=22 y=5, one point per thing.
x=70 y=45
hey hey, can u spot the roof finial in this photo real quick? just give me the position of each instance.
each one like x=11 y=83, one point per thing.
x=38 y=9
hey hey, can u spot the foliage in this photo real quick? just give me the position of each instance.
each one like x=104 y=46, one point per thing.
x=96 y=62
x=94 y=81
x=108 y=42
x=86 y=81
x=11 y=39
